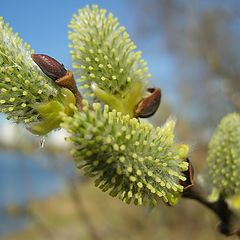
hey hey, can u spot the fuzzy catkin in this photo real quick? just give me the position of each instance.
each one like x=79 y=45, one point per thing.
x=128 y=158
x=224 y=156
x=103 y=53
x=22 y=83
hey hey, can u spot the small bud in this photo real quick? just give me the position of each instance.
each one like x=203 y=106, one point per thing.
x=149 y=105
x=51 y=67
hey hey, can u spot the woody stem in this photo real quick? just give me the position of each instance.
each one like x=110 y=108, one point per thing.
x=228 y=220
x=69 y=82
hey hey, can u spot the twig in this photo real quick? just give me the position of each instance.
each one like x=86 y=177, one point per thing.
x=57 y=72
x=229 y=224
x=44 y=229
x=69 y=82
x=82 y=213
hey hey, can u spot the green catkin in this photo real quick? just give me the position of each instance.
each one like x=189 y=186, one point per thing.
x=128 y=158
x=104 y=59
x=23 y=86
x=224 y=156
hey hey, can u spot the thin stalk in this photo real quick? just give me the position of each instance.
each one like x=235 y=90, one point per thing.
x=229 y=224
x=81 y=211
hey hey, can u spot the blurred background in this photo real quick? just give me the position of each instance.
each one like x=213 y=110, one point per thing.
x=192 y=49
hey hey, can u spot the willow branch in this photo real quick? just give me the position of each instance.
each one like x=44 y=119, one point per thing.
x=81 y=211
x=229 y=224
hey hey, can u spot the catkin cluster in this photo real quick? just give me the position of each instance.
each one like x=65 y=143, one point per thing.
x=127 y=157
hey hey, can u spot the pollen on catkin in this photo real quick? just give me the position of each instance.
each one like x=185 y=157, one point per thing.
x=103 y=54
x=224 y=156
x=23 y=86
x=128 y=158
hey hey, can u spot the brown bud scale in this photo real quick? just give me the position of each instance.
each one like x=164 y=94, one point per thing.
x=51 y=67
x=189 y=176
x=149 y=105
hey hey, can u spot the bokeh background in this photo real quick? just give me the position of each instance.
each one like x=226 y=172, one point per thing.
x=192 y=49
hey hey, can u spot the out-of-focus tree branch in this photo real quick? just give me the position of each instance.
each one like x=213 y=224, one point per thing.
x=203 y=37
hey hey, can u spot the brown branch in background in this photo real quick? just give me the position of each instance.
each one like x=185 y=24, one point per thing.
x=229 y=224
x=42 y=227
x=81 y=211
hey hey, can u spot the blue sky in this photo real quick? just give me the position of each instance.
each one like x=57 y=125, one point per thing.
x=43 y=24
